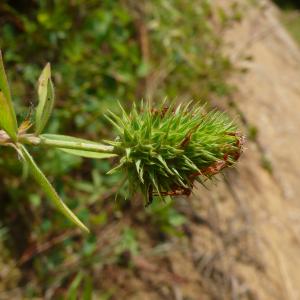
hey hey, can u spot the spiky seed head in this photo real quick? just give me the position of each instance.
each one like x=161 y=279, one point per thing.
x=164 y=151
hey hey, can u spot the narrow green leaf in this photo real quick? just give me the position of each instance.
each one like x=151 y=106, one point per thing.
x=25 y=169
x=61 y=137
x=46 y=99
x=73 y=291
x=78 y=146
x=8 y=120
x=88 y=289
x=88 y=154
x=40 y=178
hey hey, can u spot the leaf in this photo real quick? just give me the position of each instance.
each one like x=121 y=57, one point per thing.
x=93 y=153
x=46 y=99
x=25 y=169
x=41 y=179
x=88 y=154
x=61 y=137
x=73 y=291
x=88 y=289
x=8 y=120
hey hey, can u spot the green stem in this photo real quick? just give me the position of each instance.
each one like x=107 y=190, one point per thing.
x=57 y=143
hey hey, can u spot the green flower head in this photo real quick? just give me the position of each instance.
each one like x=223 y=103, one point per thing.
x=164 y=151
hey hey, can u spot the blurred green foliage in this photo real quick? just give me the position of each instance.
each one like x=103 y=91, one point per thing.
x=291 y=19
x=166 y=218
x=101 y=52
x=287 y=3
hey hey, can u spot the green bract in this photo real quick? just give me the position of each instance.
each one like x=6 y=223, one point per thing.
x=164 y=151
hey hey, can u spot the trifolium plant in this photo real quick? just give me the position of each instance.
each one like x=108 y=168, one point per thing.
x=160 y=151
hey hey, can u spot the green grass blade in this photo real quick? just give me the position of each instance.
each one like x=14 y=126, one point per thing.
x=73 y=292
x=61 y=137
x=88 y=154
x=46 y=99
x=49 y=190
x=8 y=120
x=77 y=146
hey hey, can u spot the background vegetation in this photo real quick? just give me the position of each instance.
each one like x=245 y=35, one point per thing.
x=288 y=3
x=101 y=52
x=291 y=17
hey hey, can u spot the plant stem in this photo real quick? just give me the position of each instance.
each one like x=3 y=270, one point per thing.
x=57 y=143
